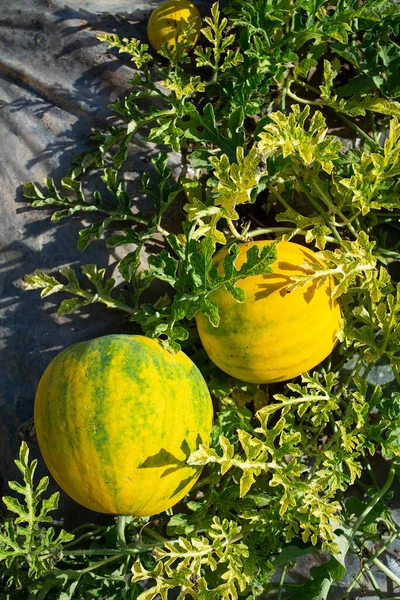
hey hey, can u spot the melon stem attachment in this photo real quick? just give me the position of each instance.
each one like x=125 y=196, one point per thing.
x=121 y=529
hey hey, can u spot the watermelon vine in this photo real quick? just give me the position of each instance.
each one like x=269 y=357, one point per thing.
x=286 y=117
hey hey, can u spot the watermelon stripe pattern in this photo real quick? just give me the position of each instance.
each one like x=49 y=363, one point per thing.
x=116 y=418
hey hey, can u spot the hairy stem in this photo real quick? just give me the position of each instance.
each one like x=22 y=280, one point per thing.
x=396 y=375
x=347 y=222
x=281 y=199
x=163 y=231
x=302 y=100
x=358 y=130
x=127 y=551
x=84 y=526
x=101 y=563
x=99 y=298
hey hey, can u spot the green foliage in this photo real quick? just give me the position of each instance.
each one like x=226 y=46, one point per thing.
x=195 y=278
x=359 y=103
x=183 y=561
x=27 y=549
x=352 y=261
x=100 y=290
x=236 y=181
x=372 y=184
x=136 y=49
x=276 y=452
x=219 y=57
x=374 y=330
x=286 y=117
x=289 y=135
x=121 y=210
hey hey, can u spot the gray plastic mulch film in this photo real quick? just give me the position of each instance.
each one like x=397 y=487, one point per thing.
x=56 y=81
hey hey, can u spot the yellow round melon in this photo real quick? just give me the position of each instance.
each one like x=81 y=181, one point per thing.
x=275 y=335
x=167 y=19
x=116 y=418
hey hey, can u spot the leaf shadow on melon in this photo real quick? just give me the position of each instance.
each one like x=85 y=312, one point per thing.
x=281 y=286
x=164 y=458
x=310 y=291
x=272 y=286
x=279 y=282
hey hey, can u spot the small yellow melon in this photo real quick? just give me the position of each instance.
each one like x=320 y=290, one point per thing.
x=274 y=335
x=166 y=21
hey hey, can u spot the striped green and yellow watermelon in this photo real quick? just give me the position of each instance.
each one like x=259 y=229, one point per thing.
x=116 y=418
x=274 y=335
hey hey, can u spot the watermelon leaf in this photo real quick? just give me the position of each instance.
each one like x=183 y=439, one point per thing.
x=24 y=539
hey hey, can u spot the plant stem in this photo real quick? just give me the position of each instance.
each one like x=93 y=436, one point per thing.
x=347 y=222
x=388 y=252
x=283 y=95
x=281 y=199
x=154 y=535
x=97 y=297
x=317 y=206
x=308 y=86
x=373 y=128
x=302 y=100
x=358 y=129
x=109 y=551
x=392 y=215
x=201 y=483
x=374 y=500
x=267 y=230
x=281 y=581
x=386 y=571
x=121 y=529
x=373 y=581
x=161 y=114
x=101 y=563
x=84 y=536
x=163 y=231
x=367 y=370
x=396 y=375
x=373 y=557
x=84 y=526
x=370 y=471
x=234 y=231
